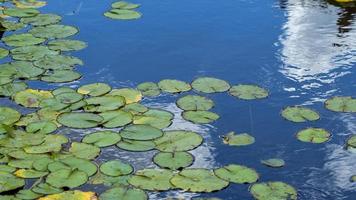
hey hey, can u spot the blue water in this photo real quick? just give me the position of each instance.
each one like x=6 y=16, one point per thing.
x=303 y=52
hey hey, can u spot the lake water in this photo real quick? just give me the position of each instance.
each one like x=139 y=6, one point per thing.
x=303 y=52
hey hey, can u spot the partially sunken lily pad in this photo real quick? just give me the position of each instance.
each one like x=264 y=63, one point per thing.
x=53 y=31
x=173 y=141
x=341 y=104
x=94 y=89
x=124 y=193
x=60 y=76
x=313 y=135
x=173 y=86
x=149 y=89
x=198 y=180
x=242 y=139
x=42 y=19
x=123 y=14
x=116 y=118
x=351 y=143
x=273 y=190
x=194 y=102
x=174 y=160
x=85 y=151
x=10 y=182
x=116 y=168
x=31 y=98
x=31 y=53
x=130 y=95
x=124 y=5
x=152 y=179
x=237 y=174
x=248 y=92
x=80 y=120
x=210 y=85
x=66 y=45
x=273 y=162
x=23 y=39
x=41 y=127
x=141 y=132
x=200 y=116
x=8 y=115
x=67 y=178
x=102 y=138
x=21 y=12
x=299 y=114
x=73 y=195
x=136 y=145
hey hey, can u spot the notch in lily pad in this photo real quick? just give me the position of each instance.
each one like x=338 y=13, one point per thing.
x=273 y=190
x=299 y=114
x=341 y=104
x=313 y=135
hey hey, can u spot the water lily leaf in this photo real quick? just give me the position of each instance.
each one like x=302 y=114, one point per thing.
x=124 y=5
x=21 y=140
x=141 y=132
x=341 y=104
x=273 y=190
x=130 y=95
x=52 y=143
x=94 y=89
x=8 y=197
x=42 y=19
x=53 y=31
x=8 y=115
x=248 y=92
x=237 y=174
x=353 y=178
x=42 y=164
x=351 y=143
x=69 y=97
x=67 y=178
x=75 y=195
x=136 y=145
x=122 y=14
x=53 y=104
x=173 y=86
x=73 y=163
x=7 y=168
x=57 y=62
x=273 y=162
x=116 y=181
x=149 y=89
x=85 y=151
x=116 y=168
x=78 y=105
x=31 y=53
x=60 y=76
x=116 y=118
x=102 y=138
x=154 y=117
x=210 y=85
x=21 y=164
x=11 y=25
x=10 y=182
x=135 y=108
x=104 y=103
x=23 y=39
x=31 y=98
x=198 y=180
x=152 y=179
x=123 y=193
x=29 y=3
x=41 y=127
x=80 y=120
x=22 y=69
x=11 y=89
x=27 y=194
x=242 y=139
x=3 y=53
x=299 y=114
x=21 y=12
x=63 y=89
x=44 y=188
x=173 y=160
x=173 y=141
x=194 y=102
x=313 y=135
x=200 y=116
x=66 y=45
x=29 y=173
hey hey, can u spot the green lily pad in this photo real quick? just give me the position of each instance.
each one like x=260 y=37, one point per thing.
x=173 y=160
x=173 y=141
x=42 y=19
x=11 y=25
x=299 y=114
x=73 y=163
x=63 y=89
x=7 y=168
x=27 y=194
x=273 y=190
x=122 y=14
x=94 y=89
x=31 y=98
x=124 y=5
x=53 y=31
x=242 y=139
x=60 y=76
x=135 y=108
x=44 y=188
x=42 y=164
x=123 y=193
x=130 y=95
x=141 y=132
x=41 y=127
x=194 y=102
x=85 y=151
x=3 y=53
x=353 y=178
x=200 y=116
x=29 y=3
x=67 y=178
x=66 y=45
x=248 y=92
x=8 y=115
x=57 y=62
x=102 y=138
x=154 y=117
x=23 y=69
x=104 y=103
x=79 y=120
x=136 y=145
x=198 y=180
x=52 y=143
x=69 y=97
x=29 y=173
x=11 y=89
x=173 y=86
x=152 y=179
x=74 y=194
x=341 y=104
x=313 y=135
x=351 y=143
x=149 y=89
x=21 y=12
x=31 y=53
x=10 y=182
x=116 y=118
x=210 y=85
x=116 y=168
x=23 y=39
x=237 y=174
x=53 y=104
x=273 y=162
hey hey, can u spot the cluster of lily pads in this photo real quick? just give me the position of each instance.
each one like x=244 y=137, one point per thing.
x=123 y=10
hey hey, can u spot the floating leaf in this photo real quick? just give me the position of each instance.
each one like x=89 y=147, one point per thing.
x=104 y=103
x=42 y=19
x=130 y=95
x=29 y=3
x=80 y=120
x=73 y=163
x=57 y=62
x=136 y=145
x=27 y=194
x=11 y=89
x=194 y=102
x=31 y=53
x=44 y=188
x=11 y=25
x=116 y=168
x=135 y=108
x=152 y=179
x=74 y=195
x=242 y=139
x=66 y=45
x=351 y=143
x=124 y=193
x=341 y=104
x=53 y=104
x=69 y=97
x=53 y=31
x=313 y=135
x=102 y=138
x=85 y=151
x=23 y=69
x=210 y=85
x=155 y=117
x=31 y=98
x=353 y=178
x=60 y=76
x=149 y=89
x=3 y=53
x=23 y=39
x=237 y=174
x=52 y=143
x=299 y=114
x=116 y=118
x=21 y=12
x=273 y=162
x=173 y=141
x=122 y=14
x=42 y=164
x=7 y=168
x=67 y=178
x=198 y=180
x=29 y=173
x=94 y=89
x=173 y=86
x=273 y=190
x=41 y=127
x=248 y=92
x=124 y=5
x=200 y=116
x=116 y=181
x=8 y=115
x=174 y=160
x=141 y=132
x=10 y=182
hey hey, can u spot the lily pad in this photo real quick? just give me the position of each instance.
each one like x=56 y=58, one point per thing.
x=173 y=160
x=173 y=141
x=29 y=173
x=67 y=178
x=53 y=104
x=198 y=180
x=21 y=12
x=27 y=194
x=135 y=108
x=52 y=143
x=44 y=188
x=237 y=174
x=57 y=62
x=41 y=127
x=94 y=89
x=116 y=118
x=130 y=95
x=154 y=117
x=85 y=151
x=299 y=114
x=124 y=193
x=29 y=3
x=31 y=98
x=141 y=132
x=313 y=135
x=353 y=178
x=3 y=53
x=116 y=168
x=242 y=139
x=69 y=97
x=124 y=5
x=122 y=14
x=8 y=115
x=10 y=182
x=341 y=104
x=273 y=162
x=79 y=120
x=194 y=102
x=23 y=69
x=273 y=190
x=248 y=92
x=104 y=103
x=23 y=39
x=102 y=138
x=210 y=85
x=31 y=53
x=173 y=86
x=60 y=76
x=66 y=45
x=136 y=145
x=152 y=179
x=11 y=89
x=73 y=163
x=351 y=143
x=42 y=19
x=200 y=116
x=149 y=89
x=11 y=25
x=53 y=31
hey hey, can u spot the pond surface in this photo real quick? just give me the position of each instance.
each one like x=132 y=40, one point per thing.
x=303 y=52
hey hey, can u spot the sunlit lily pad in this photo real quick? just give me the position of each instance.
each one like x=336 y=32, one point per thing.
x=29 y=3
x=41 y=127
x=237 y=174
x=248 y=92
x=23 y=39
x=94 y=89
x=173 y=86
x=152 y=179
x=102 y=138
x=29 y=173
x=53 y=31
x=273 y=162
x=57 y=62
x=21 y=12
x=124 y=193
x=313 y=135
x=136 y=145
x=44 y=188
x=242 y=139
x=73 y=195
x=273 y=190
x=116 y=118
x=194 y=102
x=141 y=132
x=67 y=178
x=73 y=163
x=10 y=182
x=351 y=143
x=198 y=180
x=122 y=14
x=104 y=103
x=66 y=45
x=8 y=115
x=31 y=98
x=11 y=89
x=116 y=168
x=149 y=89
x=85 y=151
x=31 y=53
x=341 y=104
x=3 y=53
x=173 y=160
x=124 y=5
x=130 y=95
x=200 y=116
x=299 y=114
x=154 y=117
x=80 y=120
x=173 y=141
x=42 y=19
x=210 y=85
x=60 y=76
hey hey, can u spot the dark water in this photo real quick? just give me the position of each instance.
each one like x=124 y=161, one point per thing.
x=303 y=52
